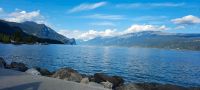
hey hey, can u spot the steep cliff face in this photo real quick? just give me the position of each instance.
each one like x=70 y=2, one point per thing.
x=41 y=31
x=14 y=34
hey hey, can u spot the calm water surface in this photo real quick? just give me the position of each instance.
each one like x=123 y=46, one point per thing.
x=180 y=67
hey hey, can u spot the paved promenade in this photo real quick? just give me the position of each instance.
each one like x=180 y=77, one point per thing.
x=14 y=80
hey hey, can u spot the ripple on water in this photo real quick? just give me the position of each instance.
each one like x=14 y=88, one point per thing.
x=133 y=64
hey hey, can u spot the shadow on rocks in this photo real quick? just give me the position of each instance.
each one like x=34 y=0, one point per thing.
x=2 y=63
x=18 y=66
x=43 y=71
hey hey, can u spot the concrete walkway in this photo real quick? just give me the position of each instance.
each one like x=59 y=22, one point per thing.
x=14 y=80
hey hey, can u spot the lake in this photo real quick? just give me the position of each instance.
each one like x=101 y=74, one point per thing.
x=180 y=67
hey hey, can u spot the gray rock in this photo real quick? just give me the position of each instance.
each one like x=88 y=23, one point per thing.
x=91 y=78
x=67 y=74
x=85 y=81
x=8 y=66
x=43 y=71
x=18 y=66
x=115 y=80
x=2 y=63
x=107 y=84
x=33 y=71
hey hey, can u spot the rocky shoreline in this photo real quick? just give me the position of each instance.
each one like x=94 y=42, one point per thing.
x=97 y=80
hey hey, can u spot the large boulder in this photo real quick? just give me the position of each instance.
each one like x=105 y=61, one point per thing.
x=33 y=71
x=85 y=81
x=18 y=66
x=107 y=84
x=2 y=63
x=67 y=74
x=115 y=80
x=43 y=71
x=91 y=78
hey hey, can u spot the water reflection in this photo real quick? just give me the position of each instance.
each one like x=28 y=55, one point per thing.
x=134 y=64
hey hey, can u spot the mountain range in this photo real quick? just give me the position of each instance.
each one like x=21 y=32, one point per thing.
x=31 y=32
x=40 y=31
x=14 y=34
x=153 y=39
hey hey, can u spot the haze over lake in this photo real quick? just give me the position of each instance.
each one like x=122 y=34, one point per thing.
x=180 y=67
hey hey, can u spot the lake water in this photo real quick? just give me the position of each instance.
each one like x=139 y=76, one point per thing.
x=180 y=67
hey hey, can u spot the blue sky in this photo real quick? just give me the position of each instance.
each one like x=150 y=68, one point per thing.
x=87 y=19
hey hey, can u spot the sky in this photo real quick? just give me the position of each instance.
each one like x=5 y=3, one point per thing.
x=87 y=19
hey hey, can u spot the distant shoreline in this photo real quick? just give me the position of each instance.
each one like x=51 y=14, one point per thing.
x=105 y=46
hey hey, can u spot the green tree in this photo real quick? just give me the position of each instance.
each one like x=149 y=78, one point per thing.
x=6 y=39
x=17 y=36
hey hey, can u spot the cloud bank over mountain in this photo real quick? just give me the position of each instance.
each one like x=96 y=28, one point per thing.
x=87 y=35
x=21 y=16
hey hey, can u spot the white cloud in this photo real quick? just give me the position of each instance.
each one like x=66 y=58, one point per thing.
x=21 y=16
x=102 y=24
x=70 y=33
x=189 y=19
x=1 y=10
x=138 y=28
x=88 y=34
x=104 y=16
x=87 y=6
x=150 y=5
x=92 y=34
x=179 y=27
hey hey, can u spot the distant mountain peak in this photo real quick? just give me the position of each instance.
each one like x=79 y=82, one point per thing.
x=34 y=23
x=151 y=33
x=155 y=39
